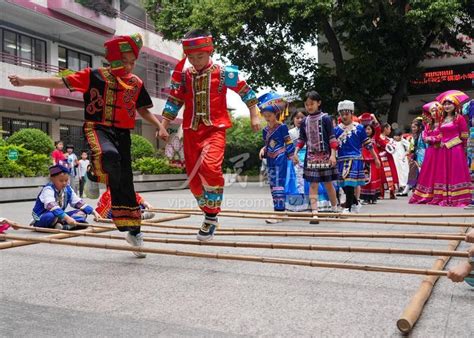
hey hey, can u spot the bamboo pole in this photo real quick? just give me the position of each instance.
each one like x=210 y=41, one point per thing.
x=248 y=258
x=325 y=214
x=150 y=221
x=14 y=244
x=333 y=220
x=436 y=236
x=413 y=310
x=256 y=232
x=275 y=246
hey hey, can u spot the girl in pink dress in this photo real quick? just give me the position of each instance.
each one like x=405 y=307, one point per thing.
x=444 y=177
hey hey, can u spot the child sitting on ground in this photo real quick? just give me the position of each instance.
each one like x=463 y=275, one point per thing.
x=104 y=206
x=463 y=269
x=52 y=201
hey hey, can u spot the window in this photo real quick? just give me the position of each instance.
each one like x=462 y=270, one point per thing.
x=74 y=135
x=158 y=78
x=74 y=60
x=11 y=126
x=23 y=50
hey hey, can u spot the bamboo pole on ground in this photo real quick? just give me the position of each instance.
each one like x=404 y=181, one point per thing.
x=413 y=310
x=151 y=221
x=332 y=220
x=325 y=214
x=436 y=236
x=306 y=233
x=248 y=258
x=274 y=246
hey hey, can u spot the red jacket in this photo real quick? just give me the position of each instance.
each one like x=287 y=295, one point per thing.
x=204 y=97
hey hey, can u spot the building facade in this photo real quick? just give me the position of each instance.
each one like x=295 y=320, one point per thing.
x=41 y=38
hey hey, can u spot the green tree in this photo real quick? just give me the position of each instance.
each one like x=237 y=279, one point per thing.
x=376 y=45
x=242 y=146
x=33 y=139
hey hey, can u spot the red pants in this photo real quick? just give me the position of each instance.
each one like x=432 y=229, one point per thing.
x=203 y=154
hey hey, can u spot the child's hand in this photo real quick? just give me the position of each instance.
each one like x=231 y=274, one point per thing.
x=163 y=134
x=296 y=160
x=255 y=123
x=16 y=80
x=96 y=216
x=459 y=272
x=470 y=237
x=261 y=154
x=332 y=161
x=69 y=220
x=147 y=205
x=471 y=251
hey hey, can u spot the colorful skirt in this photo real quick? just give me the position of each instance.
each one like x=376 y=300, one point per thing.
x=371 y=191
x=312 y=174
x=351 y=173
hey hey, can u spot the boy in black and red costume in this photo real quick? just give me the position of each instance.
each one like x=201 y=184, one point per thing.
x=112 y=96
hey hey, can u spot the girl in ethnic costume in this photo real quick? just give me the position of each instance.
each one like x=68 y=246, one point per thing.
x=449 y=183
x=468 y=112
x=278 y=148
x=296 y=187
x=352 y=137
x=317 y=133
x=371 y=191
x=417 y=154
x=389 y=169
x=112 y=97
x=202 y=90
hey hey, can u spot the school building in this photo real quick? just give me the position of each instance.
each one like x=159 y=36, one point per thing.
x=41 y=38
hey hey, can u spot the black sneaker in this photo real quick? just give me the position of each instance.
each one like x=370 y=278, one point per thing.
x=208 y=228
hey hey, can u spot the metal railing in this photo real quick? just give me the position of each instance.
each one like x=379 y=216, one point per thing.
x=147 y=25
x=28 y=63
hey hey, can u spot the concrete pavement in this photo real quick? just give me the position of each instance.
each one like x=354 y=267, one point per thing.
x=48 y=290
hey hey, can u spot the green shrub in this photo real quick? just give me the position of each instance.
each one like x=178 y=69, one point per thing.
x=28 y=163
x=155 y=166
x=141 y=147
x=242 y=147
x=32 y=139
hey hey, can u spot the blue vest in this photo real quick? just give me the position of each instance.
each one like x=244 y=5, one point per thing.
x=39 y=208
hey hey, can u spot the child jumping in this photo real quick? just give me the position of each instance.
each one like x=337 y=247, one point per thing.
x=202 y=90
x=112 y=97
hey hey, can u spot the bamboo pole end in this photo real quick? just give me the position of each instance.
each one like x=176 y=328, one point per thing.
x=404 y=325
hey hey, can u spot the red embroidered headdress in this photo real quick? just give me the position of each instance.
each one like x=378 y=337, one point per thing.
x=122 y=44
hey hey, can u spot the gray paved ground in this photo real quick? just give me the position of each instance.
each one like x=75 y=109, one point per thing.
x=48 y=290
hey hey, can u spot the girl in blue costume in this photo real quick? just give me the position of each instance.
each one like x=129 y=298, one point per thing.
x=278 y=147
x=352 y=137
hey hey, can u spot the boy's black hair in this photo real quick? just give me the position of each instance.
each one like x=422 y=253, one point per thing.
x=195 y=33
x=69 y=146
x=397 y=132
x=313 y=95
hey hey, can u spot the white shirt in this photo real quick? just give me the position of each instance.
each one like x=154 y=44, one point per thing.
x=82 y=168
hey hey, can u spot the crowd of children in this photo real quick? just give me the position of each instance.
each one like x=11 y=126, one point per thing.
x=307 y=166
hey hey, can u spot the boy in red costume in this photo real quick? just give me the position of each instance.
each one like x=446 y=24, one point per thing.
x=112 y=96
x=202 y=90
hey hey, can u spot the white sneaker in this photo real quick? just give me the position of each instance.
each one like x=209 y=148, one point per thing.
x=346 y=211
x=273 y=221
x=356 y=207
x=147 y=215
x=314 y=220
x=59 y=226
x=136 y=241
